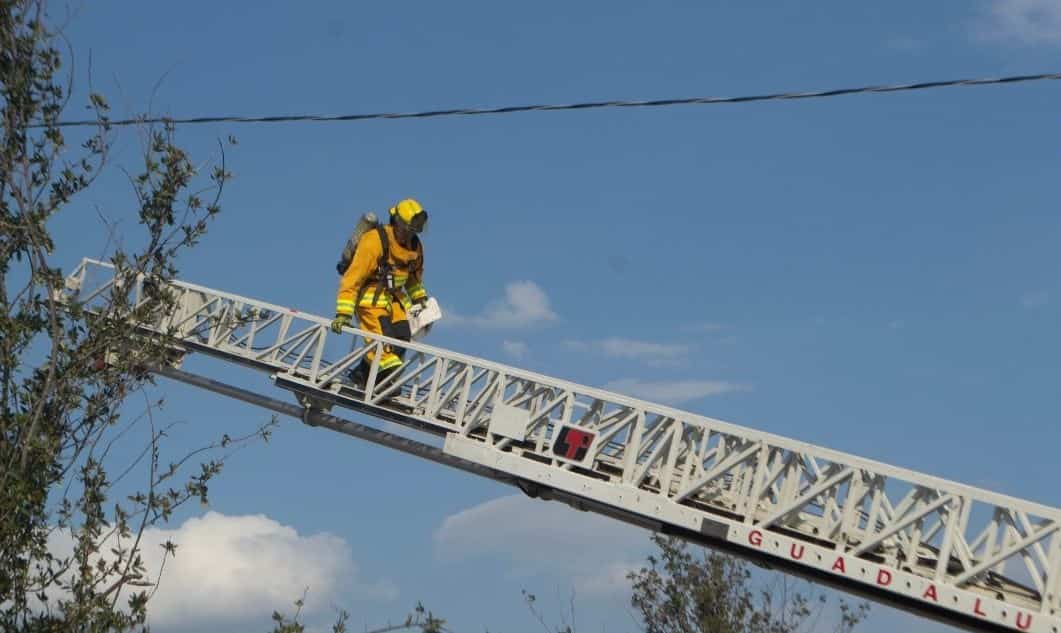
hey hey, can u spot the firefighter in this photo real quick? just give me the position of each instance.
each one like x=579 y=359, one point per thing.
x=383 y=279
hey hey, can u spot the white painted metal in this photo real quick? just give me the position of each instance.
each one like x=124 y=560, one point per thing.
x=969 y=556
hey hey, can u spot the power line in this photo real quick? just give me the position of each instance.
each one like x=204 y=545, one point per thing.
x=572 y=106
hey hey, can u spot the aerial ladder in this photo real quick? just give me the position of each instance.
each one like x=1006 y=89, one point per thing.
x=962 y=555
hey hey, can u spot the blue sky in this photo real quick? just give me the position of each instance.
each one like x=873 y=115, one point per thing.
x=877 y=274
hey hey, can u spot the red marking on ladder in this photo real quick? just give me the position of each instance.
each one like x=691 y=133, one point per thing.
x=797 y=551
x=839 y=565
x=884 y=577
x=573 y=443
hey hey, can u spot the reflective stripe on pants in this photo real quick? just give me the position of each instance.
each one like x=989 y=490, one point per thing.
x=391 y=322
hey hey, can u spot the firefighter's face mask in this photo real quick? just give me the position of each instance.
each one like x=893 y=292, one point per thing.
x=418 y=223
x=405 y=231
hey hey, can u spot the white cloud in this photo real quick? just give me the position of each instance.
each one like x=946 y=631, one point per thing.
x=230 y=568
x=628 y=348
x=610 y=579
x=1024 y=21
x=534 y=537
x=1035 y=299
x=515 y=349
x=525 y=304
x=675 y=392
x=652 y=353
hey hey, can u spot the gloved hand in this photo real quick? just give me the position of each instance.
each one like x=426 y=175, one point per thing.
x=417 y=306
x=340 y=321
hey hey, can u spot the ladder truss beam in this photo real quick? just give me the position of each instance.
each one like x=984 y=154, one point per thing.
x=986 y=560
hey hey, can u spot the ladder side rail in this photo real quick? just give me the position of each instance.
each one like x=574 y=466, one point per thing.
x=1052 y=604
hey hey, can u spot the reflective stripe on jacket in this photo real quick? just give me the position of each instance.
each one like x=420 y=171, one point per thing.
x=360 y=285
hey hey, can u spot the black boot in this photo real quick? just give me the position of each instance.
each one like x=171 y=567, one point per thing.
x=383 y=376
x=358 y=376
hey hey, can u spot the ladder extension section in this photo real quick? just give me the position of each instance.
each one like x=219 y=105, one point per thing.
x=967 y=556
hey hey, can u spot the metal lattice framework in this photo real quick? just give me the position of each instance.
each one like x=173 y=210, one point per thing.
x=954 y=552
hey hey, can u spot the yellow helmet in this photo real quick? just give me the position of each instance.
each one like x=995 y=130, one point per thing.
x=411 y=214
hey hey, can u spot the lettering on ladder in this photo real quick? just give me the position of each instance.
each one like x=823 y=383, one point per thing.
x=883 y=578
